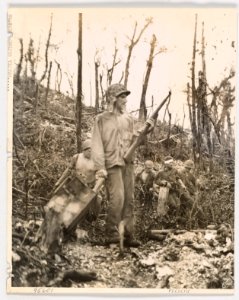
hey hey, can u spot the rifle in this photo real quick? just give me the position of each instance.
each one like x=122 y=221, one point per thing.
x=144 y=131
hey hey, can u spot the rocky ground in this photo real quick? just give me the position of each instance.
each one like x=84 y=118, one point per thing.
x=200 y=259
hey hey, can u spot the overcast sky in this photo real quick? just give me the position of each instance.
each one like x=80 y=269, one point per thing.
x=174 y=29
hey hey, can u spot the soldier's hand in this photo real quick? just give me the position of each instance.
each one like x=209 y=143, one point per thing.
x=155 y=188
x=169 y=185
x=151 y=123
x=163 y=183
x=102 y=173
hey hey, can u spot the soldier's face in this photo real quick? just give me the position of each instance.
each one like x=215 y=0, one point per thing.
x=87 y=153
x=120 y=103
x=188 y=170
x=169 y=165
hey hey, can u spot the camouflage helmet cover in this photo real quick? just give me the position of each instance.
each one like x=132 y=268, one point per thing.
x=115 y=90
x=168 y=159
x=149 y=164
x=189 y=164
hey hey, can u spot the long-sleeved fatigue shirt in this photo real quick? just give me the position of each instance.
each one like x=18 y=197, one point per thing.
x=111 y=137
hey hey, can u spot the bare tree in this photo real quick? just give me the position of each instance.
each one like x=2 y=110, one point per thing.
x=222 y=96
x=48 y=84
x=169 y=123
x=79 y=88
x=110 y=71
x=189 y=103
x=58 y=77
x=202 y=94
x=133 y=42
x=97 y=95
x=32 y=59
x=143 y=110
x=101 y=87
x=194 y=94
x=38 y=54
x=19 y=66
x=70 y=81
x=226 y=101
x=46 y=52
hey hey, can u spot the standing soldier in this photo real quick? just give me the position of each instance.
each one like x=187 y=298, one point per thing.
x=112 y=136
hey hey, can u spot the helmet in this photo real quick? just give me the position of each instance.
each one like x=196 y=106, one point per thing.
x=168 y=159
x=149 y=164
x=189 y=164
x=86 y=144
x=115 y=90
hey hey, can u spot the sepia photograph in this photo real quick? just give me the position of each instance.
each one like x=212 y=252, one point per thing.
x=122 y=125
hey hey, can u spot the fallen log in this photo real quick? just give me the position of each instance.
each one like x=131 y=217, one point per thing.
x=179 y=231
x=79 y=276
x=166 y=231
x=157 y=237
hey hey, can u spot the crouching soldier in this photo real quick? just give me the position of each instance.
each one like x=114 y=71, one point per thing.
x=145 y=180
x=167 y=187
x=189 y=196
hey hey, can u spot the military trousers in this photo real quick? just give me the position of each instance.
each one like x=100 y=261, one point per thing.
x=120 y=190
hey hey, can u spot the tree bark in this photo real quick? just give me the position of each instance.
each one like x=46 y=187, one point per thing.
x=114 y=64
x=19 y=66
x=133 y=43
x=58 y=77
x=189 y=105
x=194 y=125
x=143 y=110
x=79 y=88
x=46 y=52
x=102 y=90
x=205 y=111
x=48 y=84
x=31 y=59
x=97 y=96
x=70 y=81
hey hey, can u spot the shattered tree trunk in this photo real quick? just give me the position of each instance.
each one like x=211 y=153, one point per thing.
x=32 y=61
x=58 y=77
x=110 y=71
x=205 y=112
x=48 y=84
x=133 y=43
x=189 y=105
x=46 y=52
x=97 y=96
x=101 y=87
x=38 y=83
x=19 y=66
x=79 y=88
x=70 y=81
x=169 y=127
x=142 y=109
x=230 y=133
x=194 y=125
